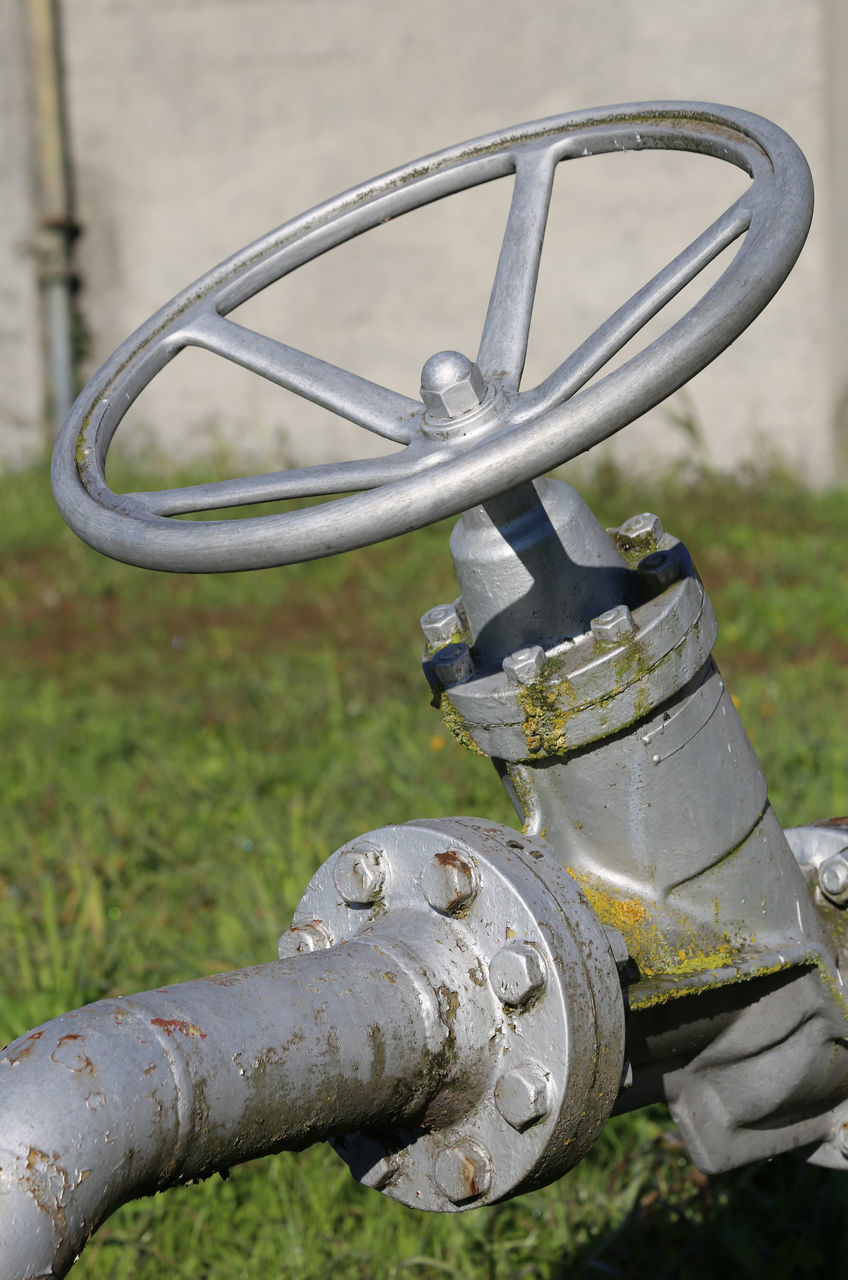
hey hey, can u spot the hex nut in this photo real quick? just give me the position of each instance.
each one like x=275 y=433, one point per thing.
x=525 y=665
x=449 y=881
x=359 y=873
x=613 y=626
x=381 y=1172
x=451 y=385
x=452 y=665
x=440 y=624
x=644 y=530
x=310 y=935
x=618 y=947
x=660 y=569
x=517 y=973
x=463 y=1171
x=833 y=878
x=522 y=1095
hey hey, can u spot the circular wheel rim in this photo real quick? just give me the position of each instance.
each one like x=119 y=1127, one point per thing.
x=518 y=434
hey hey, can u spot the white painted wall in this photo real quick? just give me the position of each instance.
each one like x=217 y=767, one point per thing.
x=199 y=124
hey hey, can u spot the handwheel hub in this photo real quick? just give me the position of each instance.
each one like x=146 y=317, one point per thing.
x=451 y=386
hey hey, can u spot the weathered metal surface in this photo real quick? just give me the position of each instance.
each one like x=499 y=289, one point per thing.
x=484 y=1047
x=128 y=1096
x=529 y=984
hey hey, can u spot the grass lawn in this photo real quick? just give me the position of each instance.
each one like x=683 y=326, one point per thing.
x=181 y=752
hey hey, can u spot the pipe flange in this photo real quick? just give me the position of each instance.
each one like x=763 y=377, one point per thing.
x=528 y=989
x=595 y=685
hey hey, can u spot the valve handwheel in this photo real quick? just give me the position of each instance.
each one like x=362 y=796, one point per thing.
x=475 y=432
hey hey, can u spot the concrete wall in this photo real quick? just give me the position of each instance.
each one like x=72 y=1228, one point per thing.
x=198 y=124
x=21 y=399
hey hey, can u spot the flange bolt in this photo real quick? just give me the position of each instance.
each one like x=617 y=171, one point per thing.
x=449 y=881
x=463 y=1171
x=660 y=569
x=440 y=624
x=452 y=665
x=614 y=626
x=359 y=874
x=517 y=973
x=522 y=1095
x=451 y=385
x=311 y=935
x=833 y=878
x=525 y=665
x=642 y=531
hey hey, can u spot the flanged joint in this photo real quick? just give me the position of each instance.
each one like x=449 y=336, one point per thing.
x=517 y=977
x=451 y=385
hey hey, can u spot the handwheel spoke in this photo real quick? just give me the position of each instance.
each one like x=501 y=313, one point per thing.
x=609 y=338
x=386 y=413
x=302 y=482
x=503 y=346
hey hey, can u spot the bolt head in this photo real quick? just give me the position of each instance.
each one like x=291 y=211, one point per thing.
x=439 y=624
x=644 y=530
x=463 y=1171
x=614 y=626
x=618 y=946
x=449 y=881
x=524 y=666
x=359 y=873
x=833 y=877
x=451 y=385
x=522 y=1095
x=452 y=665
x=660 y=569
x=517 y=973
x=310 y=935
x=381 y=1172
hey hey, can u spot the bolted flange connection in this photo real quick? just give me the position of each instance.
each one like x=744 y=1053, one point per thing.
x=451 y=386
x=519 y=989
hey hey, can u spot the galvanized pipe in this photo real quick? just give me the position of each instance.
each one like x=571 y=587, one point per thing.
x=131 y=1095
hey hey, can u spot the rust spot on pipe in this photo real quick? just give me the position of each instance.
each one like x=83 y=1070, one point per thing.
x=179 y=1026
x=69 y=1053
x=26 y=1048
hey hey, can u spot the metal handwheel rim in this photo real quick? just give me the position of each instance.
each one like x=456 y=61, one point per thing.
x=531 y=431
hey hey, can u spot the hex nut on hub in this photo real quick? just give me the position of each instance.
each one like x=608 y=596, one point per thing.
x=522 y=1095
x=359 y=874
x=464 y=1171
x=451 y=385
x=517 y=973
